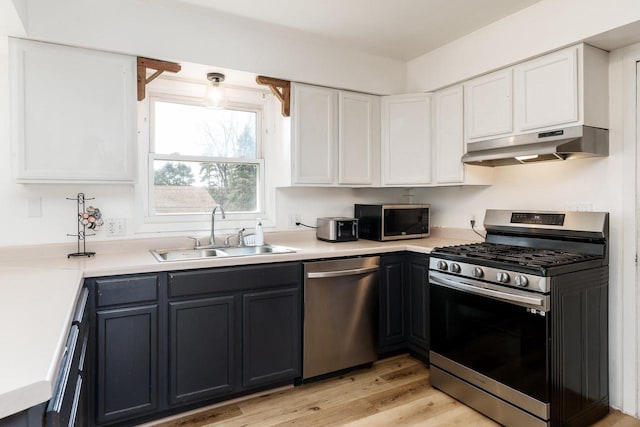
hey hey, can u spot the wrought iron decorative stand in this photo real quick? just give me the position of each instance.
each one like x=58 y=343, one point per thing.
x=80 y=200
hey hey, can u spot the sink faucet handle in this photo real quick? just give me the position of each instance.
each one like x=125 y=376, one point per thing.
x=196 y=241
x=241 y=237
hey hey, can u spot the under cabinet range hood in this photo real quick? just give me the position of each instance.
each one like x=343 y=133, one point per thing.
x=561 y=144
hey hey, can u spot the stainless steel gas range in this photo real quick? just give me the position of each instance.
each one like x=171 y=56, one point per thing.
x=519 y=322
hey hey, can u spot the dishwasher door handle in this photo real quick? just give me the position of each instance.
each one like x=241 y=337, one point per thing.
x=340 y=273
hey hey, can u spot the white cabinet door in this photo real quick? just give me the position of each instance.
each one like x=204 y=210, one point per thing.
x=74 y=113
x=406 y=139
x=358 y=137
x=489 y=105
x=448 y=136
x=547 y=90
x=315 y=139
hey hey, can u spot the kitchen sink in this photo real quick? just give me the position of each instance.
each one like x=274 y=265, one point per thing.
x=256 y=250
x=164 y=255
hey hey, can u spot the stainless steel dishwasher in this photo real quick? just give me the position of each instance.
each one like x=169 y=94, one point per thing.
x=340 y=314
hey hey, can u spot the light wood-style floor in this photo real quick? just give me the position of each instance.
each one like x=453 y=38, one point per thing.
x=394 y=392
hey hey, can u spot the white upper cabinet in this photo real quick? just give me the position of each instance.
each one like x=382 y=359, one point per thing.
x=547 y=90
x=564 y=88
x=315 y=134
x=448 y=142
x=406 y=139
x=336 y=137
x=73 y=114
x=448 y=135
x=488 y=104
x=358 y=138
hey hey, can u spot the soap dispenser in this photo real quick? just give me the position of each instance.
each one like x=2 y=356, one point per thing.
x=259 y=233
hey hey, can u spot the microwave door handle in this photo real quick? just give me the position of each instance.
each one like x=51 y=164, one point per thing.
x=523 y=300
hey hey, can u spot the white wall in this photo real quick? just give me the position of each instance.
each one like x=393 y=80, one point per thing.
x=311 y=203
x=159 y=30
x=540 y=28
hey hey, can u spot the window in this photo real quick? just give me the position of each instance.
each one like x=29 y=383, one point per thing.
x=192 y=158
x=200 y=158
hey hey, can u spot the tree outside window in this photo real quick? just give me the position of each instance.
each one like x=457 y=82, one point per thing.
x=204 y=158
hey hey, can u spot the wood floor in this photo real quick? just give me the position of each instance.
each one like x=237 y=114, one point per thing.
x=394 y=392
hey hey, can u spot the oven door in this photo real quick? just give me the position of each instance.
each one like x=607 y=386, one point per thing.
x=495 y=340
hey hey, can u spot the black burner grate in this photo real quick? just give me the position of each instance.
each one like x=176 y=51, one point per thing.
x=515 y=255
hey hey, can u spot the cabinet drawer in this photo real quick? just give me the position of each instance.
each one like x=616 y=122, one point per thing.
x=186 y=283
x=61 y=406
x=127 y=290
x=80 y=315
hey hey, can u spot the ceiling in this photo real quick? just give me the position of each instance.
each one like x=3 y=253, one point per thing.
x=401 y=29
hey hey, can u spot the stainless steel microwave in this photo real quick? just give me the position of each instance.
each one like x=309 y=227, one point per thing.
x=392 y=222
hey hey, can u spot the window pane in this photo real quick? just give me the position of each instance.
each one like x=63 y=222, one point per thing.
x=192 y=130
x=197 y=187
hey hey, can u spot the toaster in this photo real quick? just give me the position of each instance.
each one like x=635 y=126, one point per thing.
x=337 y=229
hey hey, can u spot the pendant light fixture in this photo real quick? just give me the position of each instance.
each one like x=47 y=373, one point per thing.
x=215 y=97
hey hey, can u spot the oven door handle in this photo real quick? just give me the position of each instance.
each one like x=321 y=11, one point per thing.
x=479 y=288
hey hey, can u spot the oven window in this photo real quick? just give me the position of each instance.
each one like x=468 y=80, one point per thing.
x=400 y=222
x=500 y=340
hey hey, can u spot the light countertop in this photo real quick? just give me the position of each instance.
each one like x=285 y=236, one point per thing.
x=39 y=287
x=36 y=307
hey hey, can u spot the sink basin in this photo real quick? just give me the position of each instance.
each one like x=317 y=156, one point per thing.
x=164 y=255
x=256 y=250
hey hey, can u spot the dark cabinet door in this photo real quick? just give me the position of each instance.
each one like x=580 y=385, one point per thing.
x=127 y=357
x=417 y=275
x=202 y=348
x=271 y=336
x=393 y=332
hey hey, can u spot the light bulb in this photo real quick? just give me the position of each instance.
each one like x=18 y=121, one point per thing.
x=215 y=96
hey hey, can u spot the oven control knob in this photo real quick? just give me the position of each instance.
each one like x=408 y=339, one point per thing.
x=477 y=272
x=521 y=281
x=455 y=268
x=502 y=277
x=441 y=265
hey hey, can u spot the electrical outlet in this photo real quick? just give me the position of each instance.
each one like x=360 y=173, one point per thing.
x=294 y=218
x=115 y=227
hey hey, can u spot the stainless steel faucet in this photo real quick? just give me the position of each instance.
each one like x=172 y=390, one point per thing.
x=212 y=239
x=240 y=236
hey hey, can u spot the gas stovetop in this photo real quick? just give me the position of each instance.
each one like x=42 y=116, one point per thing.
x=531 y=260
x=539 y=243
x=519 y=255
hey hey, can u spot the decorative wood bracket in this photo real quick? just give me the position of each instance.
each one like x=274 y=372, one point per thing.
x=281 y=89
x=154 y=64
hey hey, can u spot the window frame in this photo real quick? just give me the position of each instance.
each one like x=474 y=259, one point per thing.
x=186 y=92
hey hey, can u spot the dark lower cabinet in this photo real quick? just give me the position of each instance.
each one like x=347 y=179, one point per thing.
x=417 y=279
x=202 y=346
x=127 y=362
x=165 y=342
x=271 y=336
x=393 y=325
x=404 y=302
